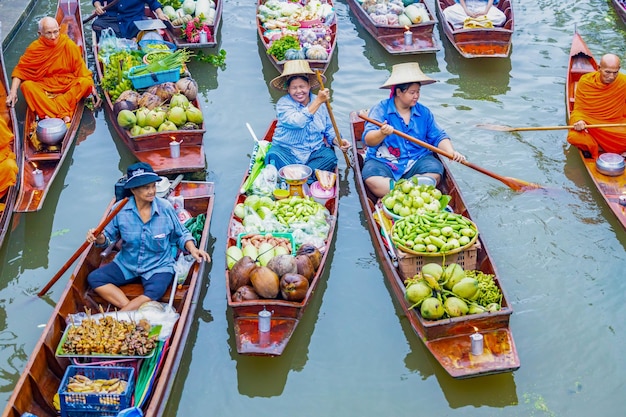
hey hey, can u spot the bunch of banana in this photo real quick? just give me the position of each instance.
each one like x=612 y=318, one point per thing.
x=81 y=383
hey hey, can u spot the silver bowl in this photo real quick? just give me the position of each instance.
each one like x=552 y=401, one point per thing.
x=51 y=131
x=295 y=173
x=610 y=164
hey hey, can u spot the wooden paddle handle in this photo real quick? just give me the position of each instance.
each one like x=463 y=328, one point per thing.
x=105 y=8
x=84 y=246
x=602 y=125
x=332 y=119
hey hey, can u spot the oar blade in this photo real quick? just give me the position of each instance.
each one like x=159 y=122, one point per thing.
x=499 y=128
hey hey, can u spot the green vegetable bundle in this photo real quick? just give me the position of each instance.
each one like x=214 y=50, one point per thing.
x=257 y=163
x=167 y=63
x=280 y=46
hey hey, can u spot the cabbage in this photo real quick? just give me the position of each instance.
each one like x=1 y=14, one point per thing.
x=202 y=8
x=189 y=7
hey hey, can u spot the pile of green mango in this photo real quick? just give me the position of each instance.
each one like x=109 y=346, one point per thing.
x=448 y=292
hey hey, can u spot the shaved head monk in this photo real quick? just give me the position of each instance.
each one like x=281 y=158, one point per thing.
x=52 y=74
x=600 y=97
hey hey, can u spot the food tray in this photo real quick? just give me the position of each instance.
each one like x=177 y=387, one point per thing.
x=146 y=43
x=410 y=264
x=287 y=235
x=154 y=330
x=83 y=404
x=154 y=78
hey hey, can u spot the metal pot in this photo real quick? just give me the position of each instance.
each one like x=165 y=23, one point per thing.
x=51 y=131
x=610 y=164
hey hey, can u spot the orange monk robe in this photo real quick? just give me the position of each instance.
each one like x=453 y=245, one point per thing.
x=54 y=77
x=598 y=103
x=8 y=166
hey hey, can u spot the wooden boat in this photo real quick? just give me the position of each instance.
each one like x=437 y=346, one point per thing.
x=50 y=159
x=581 y=61
x=175 y=32
x=285 y=314
x=620 y=8
x=8 y=114
x=154 y=148
x=480 y=42
x=315 y=64
x=447 y=339
x=44 y=371
x=391 y=37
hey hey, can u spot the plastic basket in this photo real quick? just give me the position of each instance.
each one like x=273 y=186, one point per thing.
x=410 y=264
x=286 y=235
x=89 y=404
x=154 y=78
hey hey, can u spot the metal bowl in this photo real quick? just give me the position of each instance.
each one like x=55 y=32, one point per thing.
x=51 y=131
x=295 y=174
x=610 y=164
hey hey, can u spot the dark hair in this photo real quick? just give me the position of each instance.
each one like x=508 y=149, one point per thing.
x=295 y=77
x=404 y=86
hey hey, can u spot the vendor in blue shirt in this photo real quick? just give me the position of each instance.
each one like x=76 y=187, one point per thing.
x=149 y=229
x=390 y=157
x=304 y=132
x=122 y=16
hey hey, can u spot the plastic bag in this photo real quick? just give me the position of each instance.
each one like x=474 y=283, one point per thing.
x=182 y=266
x=178 y=202
x=265 y=183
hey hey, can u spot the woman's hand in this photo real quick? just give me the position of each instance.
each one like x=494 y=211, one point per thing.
x=579 y=125
x=458 y=157
x=324 y=95
x=200 y=255
x=386 y=129
x=98 y=240
x=99 y=9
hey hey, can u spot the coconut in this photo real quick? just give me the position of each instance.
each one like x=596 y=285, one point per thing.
x=432 y=309
x=123 y=105
x=265 y=282
x=283 y=264
x=305 y=267
x=149 y=100
x=455 y=307
x=240 y=273
x=312 y=252
x=244 y=293
x=476 y=309
x=417 y=292
x=164 y=91
x=233 y=254
x=453 y=274
x=177 y=115
x=188 y=86
x=129 y=95
x=194 y=115
x=167 y=126
x=434 y=270
x=466 y=288
x=293 y=287
x=126 y=119
x=493 y=307
x=179 y=100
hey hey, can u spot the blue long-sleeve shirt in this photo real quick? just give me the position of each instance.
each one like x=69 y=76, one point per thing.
x=399 y=153
x=127 y=11
x=299 y=130
x=147 y=247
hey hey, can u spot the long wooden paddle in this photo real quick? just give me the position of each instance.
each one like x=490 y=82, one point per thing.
x=517 y=185
x=332 y=119
x=105 y=8
x=84 y=246
x=502 y=128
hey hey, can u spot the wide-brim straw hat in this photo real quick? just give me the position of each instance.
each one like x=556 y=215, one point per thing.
x=408 y=72
x=296 y=67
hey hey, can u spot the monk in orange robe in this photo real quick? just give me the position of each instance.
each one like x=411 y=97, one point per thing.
x=52 y=74
x=600 y=98
x=8 y=166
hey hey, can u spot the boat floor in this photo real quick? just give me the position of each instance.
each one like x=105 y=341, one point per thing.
x=394 y=44
x=251 y=341
x=611 y=188
x=191 y=159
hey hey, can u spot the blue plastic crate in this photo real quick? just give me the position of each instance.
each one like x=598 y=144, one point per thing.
x=154 y=78
x=91 y=404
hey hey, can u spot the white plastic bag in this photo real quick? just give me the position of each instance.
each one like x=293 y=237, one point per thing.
x=182 y=266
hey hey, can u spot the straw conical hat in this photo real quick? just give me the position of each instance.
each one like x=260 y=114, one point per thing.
x=409 y=72
x=295 y=67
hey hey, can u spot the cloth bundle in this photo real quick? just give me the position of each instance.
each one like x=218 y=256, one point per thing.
x=477 y=22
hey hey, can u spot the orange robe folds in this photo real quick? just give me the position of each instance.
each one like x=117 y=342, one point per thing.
x=598 y=103
x=54 y=77
x=8 y=166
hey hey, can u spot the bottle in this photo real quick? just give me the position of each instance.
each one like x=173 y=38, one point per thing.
x=203 y=36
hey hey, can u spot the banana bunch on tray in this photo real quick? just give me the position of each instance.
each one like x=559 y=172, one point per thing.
x=81 y=383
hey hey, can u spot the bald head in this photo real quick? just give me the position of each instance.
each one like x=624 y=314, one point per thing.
x=609 y=68
x=49 y=29
x=47 y=22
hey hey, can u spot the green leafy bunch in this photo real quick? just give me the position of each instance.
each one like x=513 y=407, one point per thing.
x=280 y=46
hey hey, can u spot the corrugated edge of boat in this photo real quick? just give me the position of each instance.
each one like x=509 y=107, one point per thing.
x=480 y=42
x=44 y=371
x=30 y=197
x=176 y=32
x=581 y=61
x=448 y=340
x=319 y=64
x=8 y=113
x=286 y=314
x=391 y=37
x=154 y=148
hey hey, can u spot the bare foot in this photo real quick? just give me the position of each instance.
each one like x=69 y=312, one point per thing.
x=66 y=119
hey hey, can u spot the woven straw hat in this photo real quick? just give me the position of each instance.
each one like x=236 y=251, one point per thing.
x=409 y=72
x=296 y=67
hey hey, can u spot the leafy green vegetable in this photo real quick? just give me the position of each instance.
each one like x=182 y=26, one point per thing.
x=258 y=163
x=217 y=60
x=280 y=46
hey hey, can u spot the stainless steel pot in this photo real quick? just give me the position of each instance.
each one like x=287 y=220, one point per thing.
x=51 y=131
x=610 y=164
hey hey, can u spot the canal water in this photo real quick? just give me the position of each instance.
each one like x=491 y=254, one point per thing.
x=560 y=252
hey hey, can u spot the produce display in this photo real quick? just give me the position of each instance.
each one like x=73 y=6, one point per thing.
x=434 y=233
x=396 y=12
x=408 y=197
x=81 y=383
x=296 y=30
x=109 y=336
x=448 y=292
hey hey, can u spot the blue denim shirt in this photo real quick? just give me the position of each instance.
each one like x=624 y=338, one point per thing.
x=147 y=248
x=127 y=11
x=398 y=153
x=300 y=131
